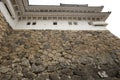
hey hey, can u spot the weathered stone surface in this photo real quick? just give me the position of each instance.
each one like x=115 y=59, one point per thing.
x=29 y=75
x=65 y=77
x=54 y=77
x=5 y=29
x=25 y=62
x=43 y=77
x=5 y=77
x=102 y=74
x=51 y=68
x=4 y=69
x=58 y=55
x=25 y=79
x=75 y=77
x=67 y=72
x=37 y=69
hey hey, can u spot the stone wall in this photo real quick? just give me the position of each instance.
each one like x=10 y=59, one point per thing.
x=60 y=55
x=5 y=29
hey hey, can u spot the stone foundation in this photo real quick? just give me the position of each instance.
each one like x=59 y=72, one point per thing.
x=5 y=29
x=58 y=55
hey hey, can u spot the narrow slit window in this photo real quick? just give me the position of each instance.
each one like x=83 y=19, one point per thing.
x=89 y=18
x=44 y=18
x=70 y=23
x=54 y=23
x=34 y=23
x=75 y=23
x=98 y=19
x=79 y=18
x=59 y=18
x=28 y=23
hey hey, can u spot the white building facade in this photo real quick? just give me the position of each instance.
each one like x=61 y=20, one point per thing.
x=20 y=15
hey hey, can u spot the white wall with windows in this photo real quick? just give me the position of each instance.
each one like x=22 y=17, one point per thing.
x=57 y=25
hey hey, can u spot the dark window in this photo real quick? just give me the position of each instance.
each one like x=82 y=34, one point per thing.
x=16 y=7
x=29 y=17
x=54 y=10
x=84 y=18
x=84 y=11
x=44 y=18
x=79 y=18
x=54 y=23
x=34 y=23
x=75 y=23
x=24 y=18
x=76 y=11
x=74 y=18
x=93 y=19
x=68 y=11
x=18 y=13
x=13 y=1
x=89 y=11
x=98 y=19
x=19 y=18
x=28 y=23
x=89 y=18
x=36 y=10
x=41 y=10
x=59 y=10
x=49 y=18
x=64 y=18
x=59 y=18
x=34 y=18
x=70 y=23
x=50 y=10
x=80 y=11
x=70 y=18
x=39 y=18
x=45 y=10
x=54 y=18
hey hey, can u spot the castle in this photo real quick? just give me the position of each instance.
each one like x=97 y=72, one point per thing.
x=20 y=15
x=48 y=42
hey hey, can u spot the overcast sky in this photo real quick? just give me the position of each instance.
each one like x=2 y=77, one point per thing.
x=109 y=5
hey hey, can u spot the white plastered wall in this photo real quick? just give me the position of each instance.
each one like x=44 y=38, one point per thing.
x=61 y=25
x=12 y=22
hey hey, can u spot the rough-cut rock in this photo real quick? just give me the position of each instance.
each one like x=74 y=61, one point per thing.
x=43 y=77
x=4 y=69
x=25 y=62
x=54 y=77
x=5 y=29
x=58 y=55
x=102 y=74
x=29 y=75
x=37 y=69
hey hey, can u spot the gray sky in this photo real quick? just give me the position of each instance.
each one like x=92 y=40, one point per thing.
x=109 y=5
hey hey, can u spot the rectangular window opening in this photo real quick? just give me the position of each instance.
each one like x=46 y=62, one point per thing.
x=28 y=23
x=34 y=23
x=44 y=18
x=75 y=23
x=49 y=18
x=79 y=18
x=70 y=23
x=54 y=23
x=59 y=18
